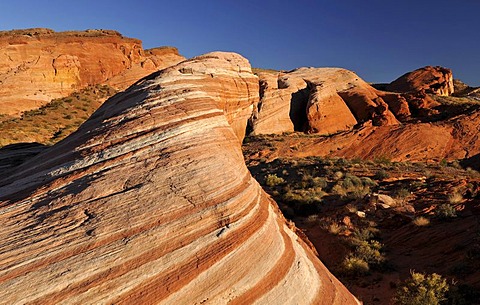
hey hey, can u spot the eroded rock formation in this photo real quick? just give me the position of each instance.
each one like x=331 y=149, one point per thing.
x=434 y=80
x=150 y=202
x=323 y=100
x=38 y=65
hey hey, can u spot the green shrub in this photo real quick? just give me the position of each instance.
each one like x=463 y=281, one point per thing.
x=368 y=182
x=370 y=252
x=383 y=160
x=307 y=196
x=421 y=289
x=319 y=182
x=354 y=266
x=445 y=211
x=381 y=174
x=273 y=180
x=402 y=193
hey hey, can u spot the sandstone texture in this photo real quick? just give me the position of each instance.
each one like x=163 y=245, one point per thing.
x=38 y=65
x=150 y=202
x=434 y=80
x=322 y=100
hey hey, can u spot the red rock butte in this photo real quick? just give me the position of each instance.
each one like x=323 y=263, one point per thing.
x=38 y=65
x=150 y=202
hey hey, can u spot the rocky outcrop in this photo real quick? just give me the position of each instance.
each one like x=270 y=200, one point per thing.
x=323 y=100
x=421 y=104
x=150 y=202
x=282 y=104
x=434 y=80
x=38 y=65
x=453 y=139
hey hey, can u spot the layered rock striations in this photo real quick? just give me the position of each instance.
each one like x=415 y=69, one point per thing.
x=435 y=80
x=38 y=65
x=150 y=202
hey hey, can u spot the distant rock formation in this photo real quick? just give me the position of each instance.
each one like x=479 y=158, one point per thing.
x=323 y=100
x=150 y=202
x=434 y=80
x=38 y=65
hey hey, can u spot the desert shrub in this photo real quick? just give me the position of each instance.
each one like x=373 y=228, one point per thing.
x=361 y=235
x=352 y=187
x=368 y=182
x=445 y=211
x=342 y=162
x=421 y=221
x=273 y=180
x=358 y=192
x=335 y=228
x=313 y=219
x=354 y=266
x=383 y=160
x=353 y=180
x=312 y=182
x=455 y=198
x=307 y=196
x=338 y=175
x=369 y=251
x=381 y=174
x=421 y=289
x=402 y=193
x=338 y=189
x=319 y=182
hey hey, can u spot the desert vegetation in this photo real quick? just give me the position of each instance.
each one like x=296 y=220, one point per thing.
x=373 y=221
x=55 y=120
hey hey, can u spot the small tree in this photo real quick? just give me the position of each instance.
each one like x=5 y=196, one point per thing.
x=421 y=289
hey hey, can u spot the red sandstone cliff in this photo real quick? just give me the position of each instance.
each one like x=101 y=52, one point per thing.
x=38 y=65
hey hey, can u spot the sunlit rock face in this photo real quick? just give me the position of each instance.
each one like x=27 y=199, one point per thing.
x=321 y=100
x=434 y=80
x=150 y=202
x=38 y=65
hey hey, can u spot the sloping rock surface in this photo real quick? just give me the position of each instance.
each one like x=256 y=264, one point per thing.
x=38 y=65
x=435 y=80
x=150 y=202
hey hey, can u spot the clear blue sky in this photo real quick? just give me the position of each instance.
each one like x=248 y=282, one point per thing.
x=380 y=40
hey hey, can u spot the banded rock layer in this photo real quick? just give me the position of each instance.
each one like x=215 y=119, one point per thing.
x=38 y=65
x=150 y=202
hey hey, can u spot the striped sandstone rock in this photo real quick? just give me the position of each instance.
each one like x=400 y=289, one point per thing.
x=150 y=202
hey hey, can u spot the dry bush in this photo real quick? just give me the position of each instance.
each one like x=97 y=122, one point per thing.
x=421 y=221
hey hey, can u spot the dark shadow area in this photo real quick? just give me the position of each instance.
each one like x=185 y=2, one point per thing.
x=13 y=155
x=472 y=162
x=298 y=106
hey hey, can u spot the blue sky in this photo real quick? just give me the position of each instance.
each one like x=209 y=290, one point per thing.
x=380 y=40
